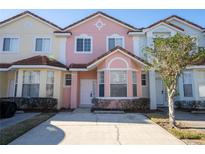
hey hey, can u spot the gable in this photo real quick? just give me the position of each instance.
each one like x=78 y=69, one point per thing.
x=101 y=15
x=28 y=20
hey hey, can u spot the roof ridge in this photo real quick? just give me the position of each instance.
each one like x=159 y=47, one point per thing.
x=30 y=13
x=103 y=13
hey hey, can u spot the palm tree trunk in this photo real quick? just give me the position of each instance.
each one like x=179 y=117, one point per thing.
x=171 y=111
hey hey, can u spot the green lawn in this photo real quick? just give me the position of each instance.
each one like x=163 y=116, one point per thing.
x=10 y=133
x=185 y=134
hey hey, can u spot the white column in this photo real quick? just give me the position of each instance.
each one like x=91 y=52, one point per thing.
x=42 y=88
x=20 y=83
x=152 y=89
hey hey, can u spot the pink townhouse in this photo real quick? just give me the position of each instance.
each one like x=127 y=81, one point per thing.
x=101 y=63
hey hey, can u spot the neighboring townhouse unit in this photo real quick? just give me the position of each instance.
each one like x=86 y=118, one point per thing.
x=191 y=85
x=96 y=57
x=32 y=57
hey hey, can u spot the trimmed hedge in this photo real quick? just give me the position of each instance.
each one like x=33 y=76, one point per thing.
x=7 y=109
x=132 y=105
x=33 y=103
x=190 y=105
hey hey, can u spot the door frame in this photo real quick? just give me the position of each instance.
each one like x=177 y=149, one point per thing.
x=93 y=91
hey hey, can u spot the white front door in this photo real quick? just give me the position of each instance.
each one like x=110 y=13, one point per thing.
x=87 y=91
x=160 y=92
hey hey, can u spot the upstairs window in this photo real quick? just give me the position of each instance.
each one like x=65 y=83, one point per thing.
x=42 y=45
x=115 y=41
x=10 y=44
x=83 y=44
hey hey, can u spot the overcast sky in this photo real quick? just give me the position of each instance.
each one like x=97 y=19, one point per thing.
x=137 y=18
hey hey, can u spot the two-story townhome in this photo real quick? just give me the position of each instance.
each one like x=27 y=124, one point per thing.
x=101 y=60
x=32 y=57
x=96 y=57
x=191 y=85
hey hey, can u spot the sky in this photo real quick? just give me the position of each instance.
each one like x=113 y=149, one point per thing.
x=137 y=18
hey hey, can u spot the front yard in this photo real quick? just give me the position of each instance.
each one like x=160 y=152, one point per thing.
x=10 y=133
x=187 y=135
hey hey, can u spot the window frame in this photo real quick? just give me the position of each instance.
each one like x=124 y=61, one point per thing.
x=134 y=84
x=64 y=80
x=50 y=83
x=188 y=72
x=144 y=79
x=84 y=37
x=30 y=83
x=9 y=51
x=115 y=37
x=99 y=83
x=42 y=37
x=118 y=83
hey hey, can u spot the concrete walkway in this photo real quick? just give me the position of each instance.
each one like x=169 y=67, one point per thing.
x=88 y=128
x=15 y=119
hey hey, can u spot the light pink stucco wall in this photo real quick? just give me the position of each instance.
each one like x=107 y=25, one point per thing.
x=99 y=38
x=66 y=97
x=118 y=63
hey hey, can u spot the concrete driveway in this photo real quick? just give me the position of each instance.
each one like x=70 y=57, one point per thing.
x=89 y=128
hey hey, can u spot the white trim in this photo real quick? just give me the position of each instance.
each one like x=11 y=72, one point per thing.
x=115 y=36
x=64 y=78
x=108 y=69
x=136 y=33
x=164 y=24
x=32 y=66
x=99 y=14
x=78 y=69
x=63 y=34
x=42 y=37
x=184 y=22
x=27 y=14
x=117 y=97
x=109 y=84
x=90 y=66
x=196 y=67
x=83 y=36
x=117 y=58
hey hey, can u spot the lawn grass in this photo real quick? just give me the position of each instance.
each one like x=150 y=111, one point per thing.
x=10 y=133
x=163 y=120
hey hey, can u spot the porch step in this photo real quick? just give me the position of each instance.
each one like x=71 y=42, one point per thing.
x=82 y=110
x=108 y=112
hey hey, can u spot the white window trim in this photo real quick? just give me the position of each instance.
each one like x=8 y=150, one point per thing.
x=50 y=83
x=64 y=82
x=43 y=37
x=193 y=94
x=114 y=36
x=110 y=82
x=145 y=79
x=84 y=36
x=2 y=42
x=98 y=84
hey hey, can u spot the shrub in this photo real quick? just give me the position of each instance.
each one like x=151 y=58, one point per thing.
x=7 y=109
x=132 y=105
x=33 y=103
